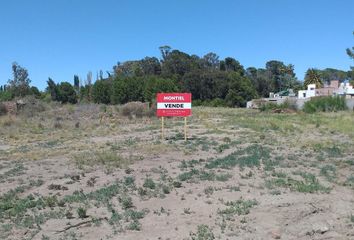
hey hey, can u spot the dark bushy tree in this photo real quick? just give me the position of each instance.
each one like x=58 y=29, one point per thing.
x=63 y=92
x=53 y=89
x=101 y=91
x=240 y=90
x=127 y=89
x=155 y=85
x=230 y=64
x=67 y=93
x=34 y=91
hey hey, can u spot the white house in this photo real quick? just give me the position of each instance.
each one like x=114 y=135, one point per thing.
x=345 y=89
x=310 y=92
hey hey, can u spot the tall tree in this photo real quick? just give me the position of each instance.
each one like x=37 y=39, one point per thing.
x=20 y=84
x=156 y=84
x=53 y=90
x=177 y=63
x=77 y=83
x=329 y=74
x=211 y=61
x=350 y=53
x=165 y=50
x=127 y=89
x=67 y=93
x=89 y=86
x=240 y=90
x=280 y=74
x=313 y=76
x=150 y=66
x=101 y=91
x=231 y=64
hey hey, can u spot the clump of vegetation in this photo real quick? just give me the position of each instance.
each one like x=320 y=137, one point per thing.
x=194 y=174
x=309 y=184
x=350 y=181
x=31 y=106
x=329 y=172
x=136 y=109
x=109 y=159
x=149 y=183
x=239 y=207
x=203 y=233
x=269 y=106
x=126 y=201
x=3 y=109
x=248 y=157
x=81 y=212
x=325 y=104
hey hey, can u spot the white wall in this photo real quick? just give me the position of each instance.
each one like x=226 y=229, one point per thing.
x=304 y=94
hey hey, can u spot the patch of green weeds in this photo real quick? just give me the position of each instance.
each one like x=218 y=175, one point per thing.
x=350 y=162
x=109 y=159
x=248 y=157
x=309 y=184
x=194 y=175
x=203 y=233
x=129 y=181
x=189 y=164
x=126 y=201
x=209 y=190
x=223 y=177
x=149 y=183
x=222 y=147
x=350 y=181
x=233 y=188
x=203 y=143
x=239 y=207
x=19 y=169
x=329 y=172
x=82 y=212
x=134 y=226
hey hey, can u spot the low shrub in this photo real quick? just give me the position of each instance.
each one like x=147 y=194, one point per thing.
x=3 y=109
x=30 y=106
x=217 y=102
x=325 y=104
x=270 y=106
x=137 y=110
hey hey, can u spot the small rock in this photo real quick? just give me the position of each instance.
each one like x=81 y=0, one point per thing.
x=323 y=229
x=320 y=229
x=275 y=233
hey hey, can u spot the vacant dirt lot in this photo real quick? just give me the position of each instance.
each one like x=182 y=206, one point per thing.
x=87 y=172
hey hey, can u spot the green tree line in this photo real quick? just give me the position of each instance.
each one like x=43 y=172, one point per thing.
x=211 y=80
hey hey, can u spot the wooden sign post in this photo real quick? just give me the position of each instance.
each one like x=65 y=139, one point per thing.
x=174 y=105
x=185 y=128
x=162 y=128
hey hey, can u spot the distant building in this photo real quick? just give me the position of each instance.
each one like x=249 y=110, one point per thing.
x=310 y=92
x=328 y=90
x=345 y=89
x=333 y=89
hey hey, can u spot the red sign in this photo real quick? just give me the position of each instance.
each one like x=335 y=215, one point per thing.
x=174 y=104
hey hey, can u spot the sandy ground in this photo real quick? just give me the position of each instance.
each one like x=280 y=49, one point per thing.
x=183 y=203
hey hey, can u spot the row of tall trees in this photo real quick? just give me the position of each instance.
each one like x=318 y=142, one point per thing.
x=207 y=77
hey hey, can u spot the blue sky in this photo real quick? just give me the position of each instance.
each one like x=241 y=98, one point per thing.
x=60 y=38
